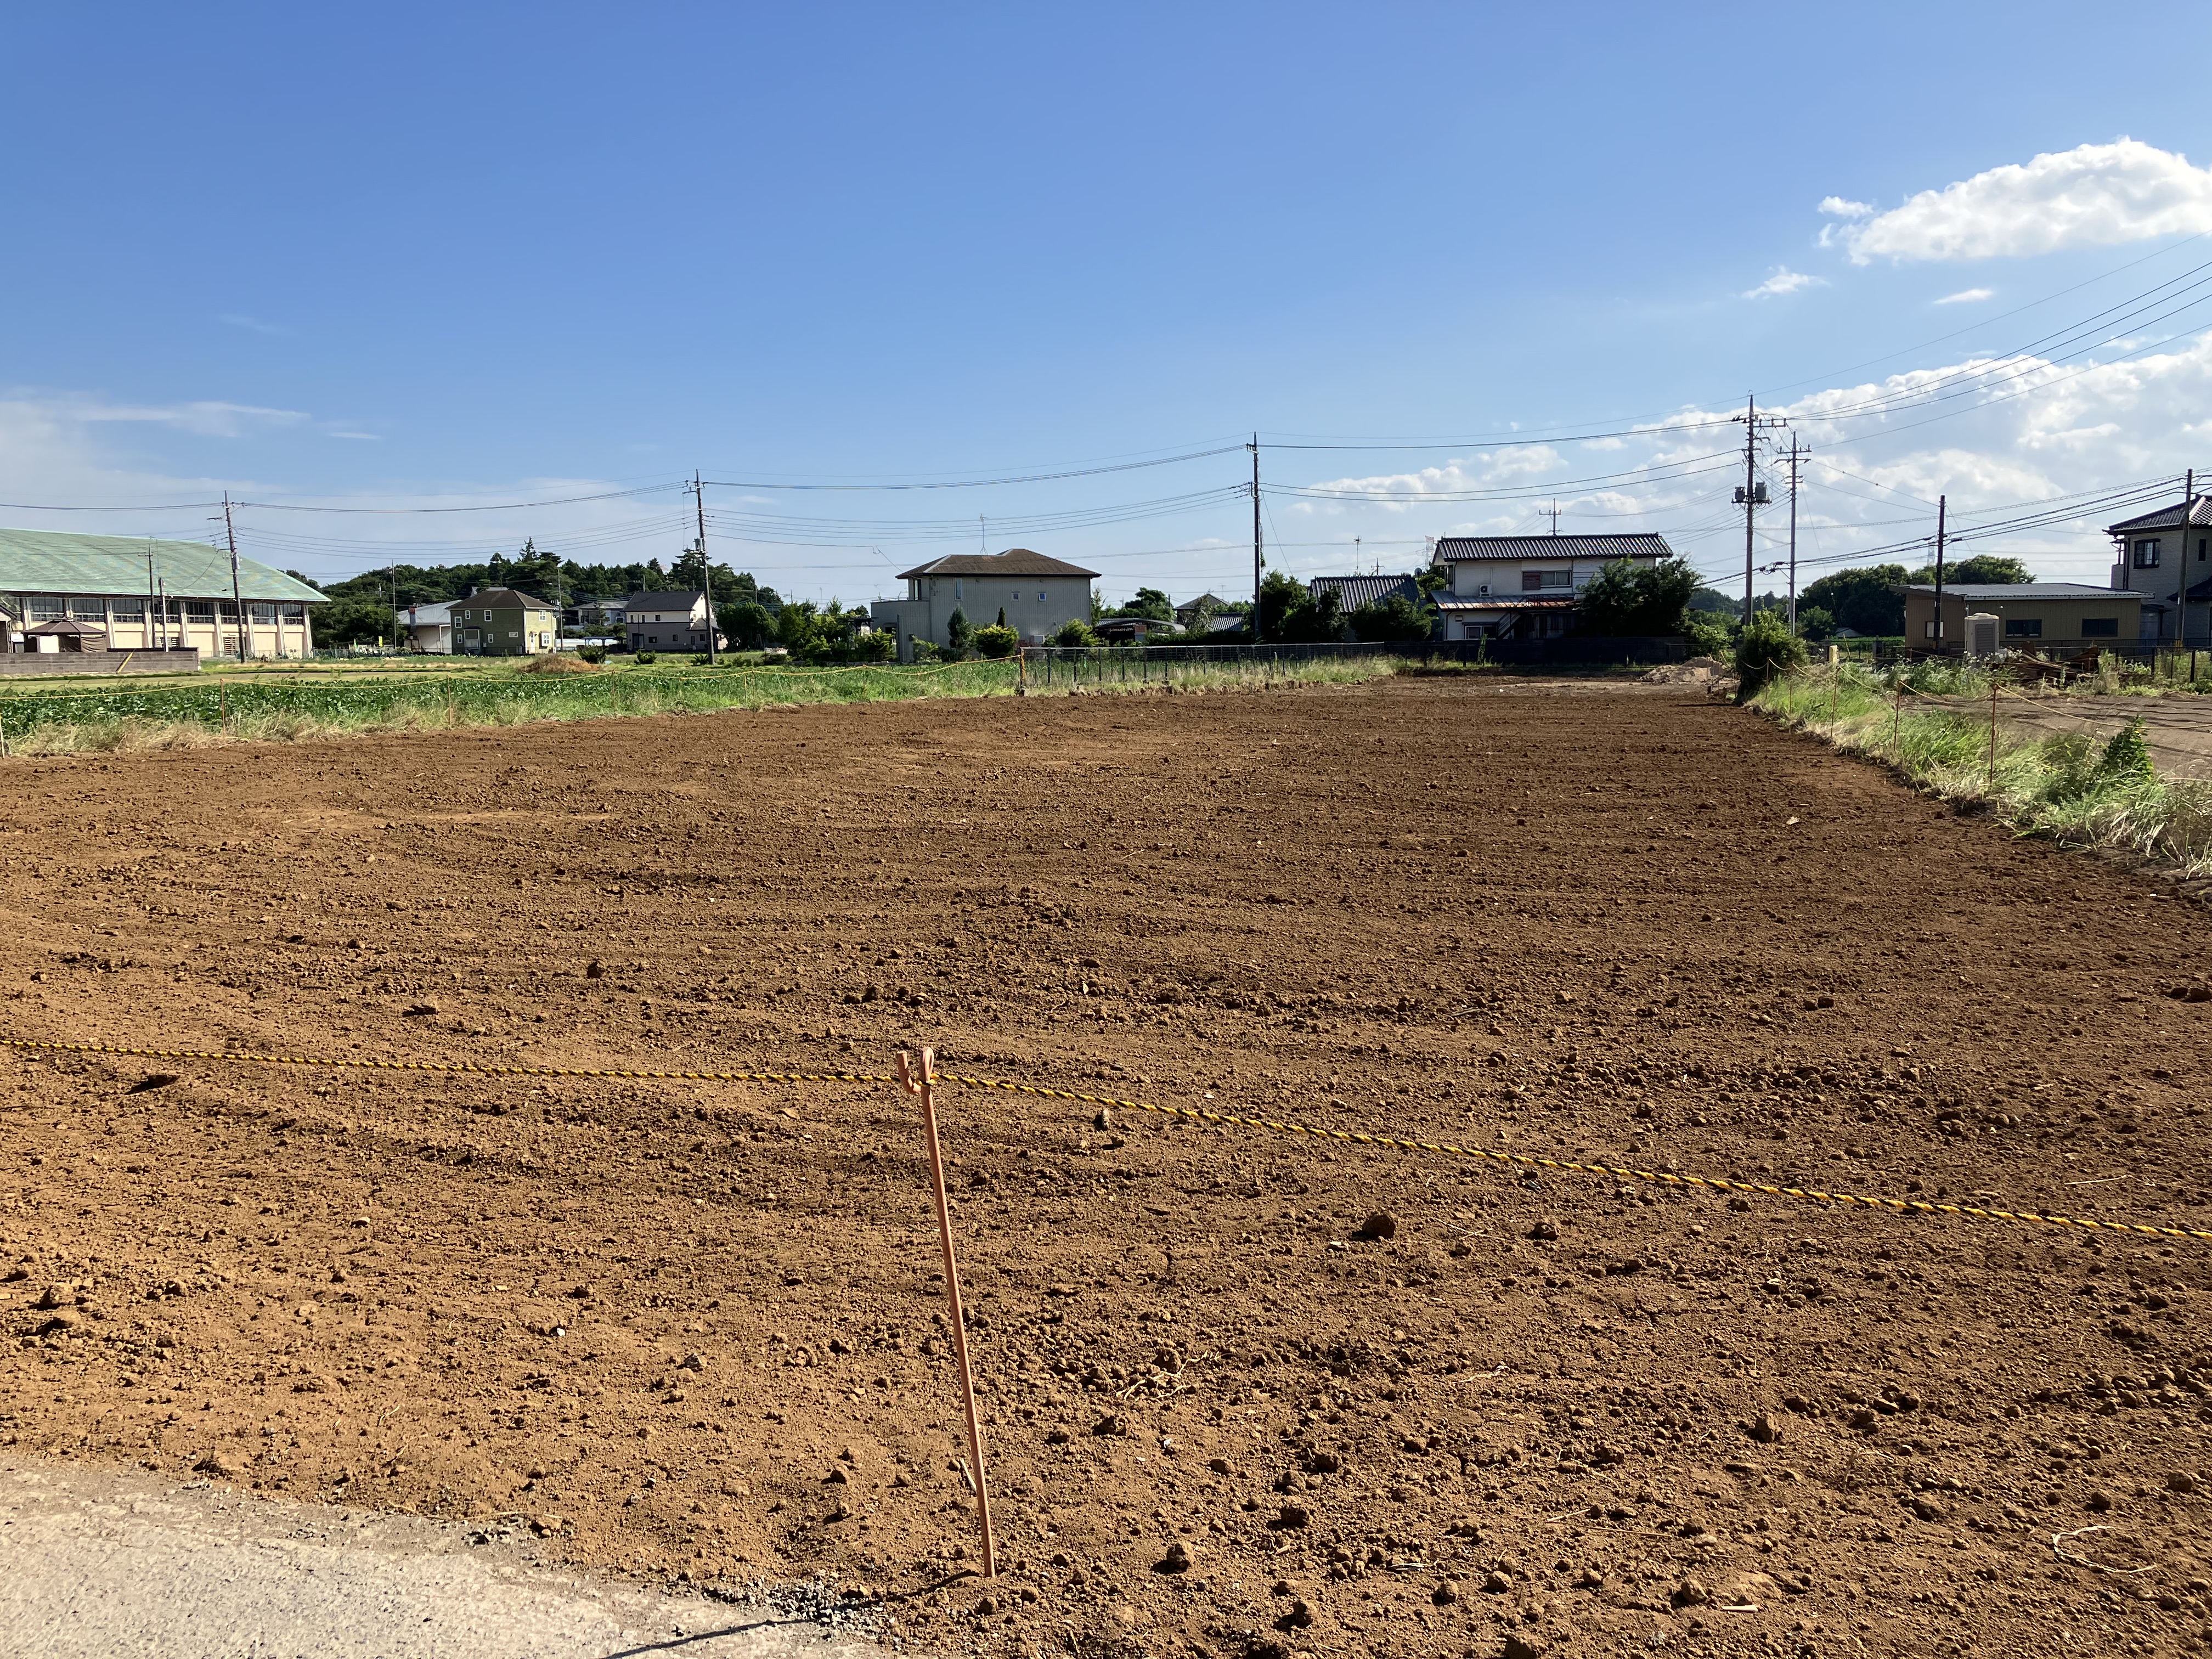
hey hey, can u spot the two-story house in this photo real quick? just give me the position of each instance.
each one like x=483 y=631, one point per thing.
x=503 y=621
x=2170 y=563
x=1523 y=587
x=1038 y=594
x=666 y=622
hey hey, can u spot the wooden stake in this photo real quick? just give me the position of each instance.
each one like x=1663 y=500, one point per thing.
x=926 y=1089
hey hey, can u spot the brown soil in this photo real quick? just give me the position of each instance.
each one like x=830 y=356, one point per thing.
x=693 y=1328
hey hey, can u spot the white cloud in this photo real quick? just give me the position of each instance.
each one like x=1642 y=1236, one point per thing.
x=1783 y=280
x=1967 y=296
x=1837 y=207
x=2091 y=195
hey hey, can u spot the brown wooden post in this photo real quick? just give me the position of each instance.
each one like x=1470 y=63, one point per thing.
x=926 y=1089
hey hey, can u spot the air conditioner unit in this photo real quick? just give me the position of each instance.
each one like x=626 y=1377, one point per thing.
x=1984 y=634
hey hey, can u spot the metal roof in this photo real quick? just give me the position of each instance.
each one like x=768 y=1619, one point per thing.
x=1014 y=561
x=1352 y=591
x=504 y=598
x=2165 y=518
x=58 y=561
x=1630 y=545
x=681 y=600
x=1981 y=593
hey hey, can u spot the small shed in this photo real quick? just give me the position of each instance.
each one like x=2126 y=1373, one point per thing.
x=66 y=636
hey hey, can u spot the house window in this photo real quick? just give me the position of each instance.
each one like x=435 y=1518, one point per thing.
x=129 y=610
x=1534 y=582
x=959 y=590
x=46 y=607
x=199 y=611
x=264 y=613
x=83 y=610
x=2100 y=628
x=2147 y=555
x=2023 y=627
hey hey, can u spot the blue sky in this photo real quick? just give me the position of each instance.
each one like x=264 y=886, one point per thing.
x=409 y=256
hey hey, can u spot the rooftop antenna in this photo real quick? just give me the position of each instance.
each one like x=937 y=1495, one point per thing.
x=983 y=535
x=1355 y=557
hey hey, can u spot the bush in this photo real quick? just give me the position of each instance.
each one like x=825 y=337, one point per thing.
x=1765 y=651
x=1075 y=633
x=959 y=637
x=593 y=654
x=556 y=664
x=645 y=659
x=1709 y=634
x=997 y=641
x=1396 y=619
x=2126 y=758
x=878 y=644
x=700 y=659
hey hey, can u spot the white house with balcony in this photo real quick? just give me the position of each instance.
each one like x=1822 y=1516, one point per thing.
x=1038 y=594
x=1524 y=587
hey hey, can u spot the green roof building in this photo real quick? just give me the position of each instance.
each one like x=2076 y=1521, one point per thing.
x=144 y=594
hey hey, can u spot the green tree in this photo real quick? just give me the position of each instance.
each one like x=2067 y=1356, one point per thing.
x=746 y=624
x=1393 y=618
x=1814 y=624
x=1867 y=598
x=997 y=641
x=1076 y=633
x=1983 y=569
x=1150 y=604
x=1290 y=613
x=959 y=638
x=1628 y=600
x=355 y=620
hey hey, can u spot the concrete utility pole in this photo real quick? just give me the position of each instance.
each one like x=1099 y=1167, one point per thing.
x=237 y=596
x=2181 y=559
x=1254 y=447
x=1796 y=459
x=1750 y=495
x=1942 y=506
x=706 y=570
x=147 y=632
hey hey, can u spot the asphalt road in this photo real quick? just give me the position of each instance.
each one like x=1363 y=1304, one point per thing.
x=98 y=1562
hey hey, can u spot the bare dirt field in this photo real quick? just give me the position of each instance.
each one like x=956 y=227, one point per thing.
x=693 y=1329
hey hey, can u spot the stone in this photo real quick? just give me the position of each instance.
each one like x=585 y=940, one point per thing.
x=1546 y=1231
x=1690 y=1593
x=1110 y=1424
x=1445 y=1593
x=2100 y=1503
x=1293 y=1517
x=1927 y=1508
x=2180 y=1480
x=215 y=1464
x=1380 y=1224
x=1299 y=1615
x=1496 y=1583
x=1764 y=1430
x=421 y=1009
x=1177 y=1559
x=1220 y=1465
x=1522 y=1645
x=56 y=1296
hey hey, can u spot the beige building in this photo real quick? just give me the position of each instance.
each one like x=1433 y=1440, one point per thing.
x=141 y=594
x=2053 y=616
x=1524 y=587
x=1039 y=595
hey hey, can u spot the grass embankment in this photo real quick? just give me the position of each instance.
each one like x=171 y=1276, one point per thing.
x=2068 y=786
x=50 y=720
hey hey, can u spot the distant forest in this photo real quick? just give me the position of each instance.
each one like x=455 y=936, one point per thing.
x=360 y=608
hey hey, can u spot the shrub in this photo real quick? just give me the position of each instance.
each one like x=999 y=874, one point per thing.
x=645 y=659
x=1708 y=633
x=593 y=654
x=2126 y=758
x=998 y=639
x=1814 y=624
x=1395 y=619
x=1075 y=633
x=959 y=637
x=700 y=659
x=1765 y=650
x=878 y=644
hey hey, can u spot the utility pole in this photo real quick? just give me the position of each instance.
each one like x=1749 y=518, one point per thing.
x=237 y=596
x=2181 y=560
x=1941 y=506
x=147 y=632
x=1751 y=494
x=1254 y=447
x=1554 y=511
x=1796 y=459
x=706 y=570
